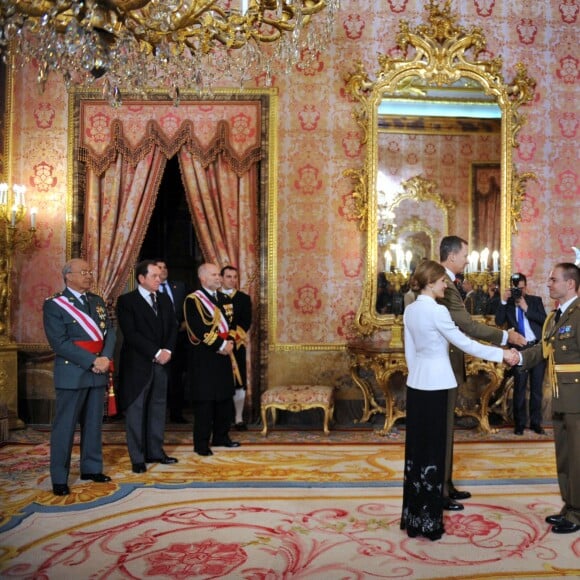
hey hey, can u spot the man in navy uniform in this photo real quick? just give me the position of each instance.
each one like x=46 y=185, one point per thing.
x=212 y=369
x=241 y=326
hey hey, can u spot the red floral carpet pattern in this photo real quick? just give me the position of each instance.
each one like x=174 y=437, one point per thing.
x=268 y=512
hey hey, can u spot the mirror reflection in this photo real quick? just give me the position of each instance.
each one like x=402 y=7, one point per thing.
x=439 y=110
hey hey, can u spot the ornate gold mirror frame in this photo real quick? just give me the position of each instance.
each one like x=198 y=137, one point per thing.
x=438 y=54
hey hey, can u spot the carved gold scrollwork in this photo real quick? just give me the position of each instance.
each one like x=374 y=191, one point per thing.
x=495 y=374
x=518 y=196
x=439 y=54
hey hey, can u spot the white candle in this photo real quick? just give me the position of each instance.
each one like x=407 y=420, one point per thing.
x=400 y=258
x=388 y=261
x=13 y=216
x=495 y=257
x=484 y=258
x=408 y=258
x=244 y=6
x=3 y=193
x=474 y=260
x=397 y=251
x=33 y=212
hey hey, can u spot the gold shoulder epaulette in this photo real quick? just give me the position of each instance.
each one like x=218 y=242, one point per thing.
x=55 y=295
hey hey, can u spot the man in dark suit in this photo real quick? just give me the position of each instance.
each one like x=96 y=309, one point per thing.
x=561 y=346
x=147 y=322
x=83 y=339
x=212 y=371
x=453 y=256
x=175 y=388
x=241 y=326
x=526 y=313
x=493 y=300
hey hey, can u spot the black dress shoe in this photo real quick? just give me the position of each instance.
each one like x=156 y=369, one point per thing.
x=204 y=452
x=518 y=431
x=456 y=494
x=555 y=519
x=60 y=489
x=138 y=467
x=96 y=477
x=228 y=443
x=537 y=429
x=165 y=460
x=240 y=427
x=565 y=526
x=452 y=506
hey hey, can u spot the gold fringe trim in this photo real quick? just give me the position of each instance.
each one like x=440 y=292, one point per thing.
x=185 y=137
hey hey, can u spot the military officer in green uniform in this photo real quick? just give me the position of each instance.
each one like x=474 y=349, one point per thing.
x=561 y=346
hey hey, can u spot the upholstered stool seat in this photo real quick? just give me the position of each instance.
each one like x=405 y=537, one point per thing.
x=297 y=398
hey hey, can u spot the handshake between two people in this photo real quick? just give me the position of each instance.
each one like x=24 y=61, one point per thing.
x=511 y=357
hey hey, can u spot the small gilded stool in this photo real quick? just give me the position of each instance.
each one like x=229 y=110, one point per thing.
x=297 y=398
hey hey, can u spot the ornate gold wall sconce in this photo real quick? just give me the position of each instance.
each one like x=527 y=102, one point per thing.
x=13 y=239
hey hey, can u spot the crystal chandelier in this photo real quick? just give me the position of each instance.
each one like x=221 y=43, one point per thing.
x=137 y=44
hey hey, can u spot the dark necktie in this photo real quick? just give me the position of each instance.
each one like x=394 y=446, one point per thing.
x=85 y=302
x=153 y=301
x=557 y=317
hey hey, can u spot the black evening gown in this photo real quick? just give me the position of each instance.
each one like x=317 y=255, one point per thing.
x=425 y=440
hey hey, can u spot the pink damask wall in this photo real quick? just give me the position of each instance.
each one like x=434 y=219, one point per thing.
x=319 y=249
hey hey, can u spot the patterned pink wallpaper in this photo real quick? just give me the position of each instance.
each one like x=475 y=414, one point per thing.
x=319 y=249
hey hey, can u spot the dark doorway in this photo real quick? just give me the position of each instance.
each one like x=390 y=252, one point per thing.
x=171 y=235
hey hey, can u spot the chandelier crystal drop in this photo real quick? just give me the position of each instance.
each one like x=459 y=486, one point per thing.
x=134 y=45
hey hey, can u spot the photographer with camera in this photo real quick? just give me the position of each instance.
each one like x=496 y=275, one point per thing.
x=526 y=314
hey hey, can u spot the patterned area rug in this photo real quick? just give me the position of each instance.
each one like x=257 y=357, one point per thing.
x=296 y=504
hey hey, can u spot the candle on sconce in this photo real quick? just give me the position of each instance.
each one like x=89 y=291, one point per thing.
x=408 y=258
x=484 y=256
x=3 y=193
x=388 y=261
x=13 y=216
x=495 y=257
x=243 y=6
x=400 y=258
x=397 y=251
x=474 y=259
x=33 y=213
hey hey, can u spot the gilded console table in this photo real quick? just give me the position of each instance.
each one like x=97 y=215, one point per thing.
x=384 y=361
x=495 y=374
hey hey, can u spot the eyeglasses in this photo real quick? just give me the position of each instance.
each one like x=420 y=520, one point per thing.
x=83 y=272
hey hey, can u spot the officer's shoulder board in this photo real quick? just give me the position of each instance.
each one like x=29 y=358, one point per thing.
x=55 y=295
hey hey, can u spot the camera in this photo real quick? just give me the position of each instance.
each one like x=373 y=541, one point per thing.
x=515 y=290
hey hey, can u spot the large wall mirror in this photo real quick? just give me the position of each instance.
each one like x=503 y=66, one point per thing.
x=439 y=124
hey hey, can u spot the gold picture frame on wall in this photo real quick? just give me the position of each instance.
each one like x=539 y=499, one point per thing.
x=485 y=206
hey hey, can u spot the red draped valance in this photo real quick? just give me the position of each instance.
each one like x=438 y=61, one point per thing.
x=231 y=129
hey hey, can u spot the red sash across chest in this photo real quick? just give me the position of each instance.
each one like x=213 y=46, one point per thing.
x=86 y=322
x=223 y=328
